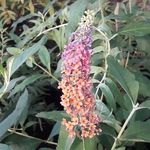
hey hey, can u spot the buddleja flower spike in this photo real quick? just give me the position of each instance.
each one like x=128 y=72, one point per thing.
x=76 y=84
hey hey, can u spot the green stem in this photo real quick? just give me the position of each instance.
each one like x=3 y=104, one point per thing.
x=125 y=124
x=59 y=26
x=83 y=145
x=130 y=6
x=46 y=71
x=50 y=29
x=25 y=135
x=2 y=45
x=128 y=54
x=106 y=68
x=102 y=13
x=106 y=65
x=127 y=60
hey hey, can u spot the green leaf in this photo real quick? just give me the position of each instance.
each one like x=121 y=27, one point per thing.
x=106 y=140
x=21 y=19
x=22 y=57
x=143 y=46
x=5 y=147
x=145 y=104
x=141 y=115
x=111 y=122
x=107 y=130
x=48 y=6
x=89 y=144
x=106 y=29
x=26 y=82
x=144 y=83
x=108 y=94
x=31 y=7
x=76 y=11
x=128 y=103
x=55 y=130
x=115 y=51
x=124 y=77
x=58 y=37
x=96 y=70
x=18 y=142
x=53 y=115
x=8 y=122
x=138 y=132
x=102 y=108
x=2 y=71
x=13 y=82
x=64 y=142
x=23 y=115
x=68 y=143
x=58 y=66
x=121 y=17
x=44 y=57
x=116 y=92
x=10 y=62
x=29 y=63
x=95 y=81
x=13 y=50
x=15 y=38
x=136 y=29
x=29 y=124
x=92 y=1
x=98 y=49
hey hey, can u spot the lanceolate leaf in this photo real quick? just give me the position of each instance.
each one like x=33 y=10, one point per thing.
x=111 y=122
x=98 y=49
x=144 y=83
x=55 y=130
x=22 y=57
x=21 y=19
x=101 y=108
x=26 y=82
x=138 y=131
x=108 y=94
x=89 y=144
x=64 y=142
x=96 y=70
x=145 y=104
x=2 y=70
x=53 y=115
x=68 y=143
x=13 y=82
x=5 y=147
x=124 y=77
x=116 y=92
x=18 y=142
x=48 y=6
x=13 y=50
x=107 y=130
x=76 y=11
x=29 y=80
x=14 y=116
x=136 y=29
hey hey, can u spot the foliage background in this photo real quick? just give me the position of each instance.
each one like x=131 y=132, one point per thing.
x=33 y=34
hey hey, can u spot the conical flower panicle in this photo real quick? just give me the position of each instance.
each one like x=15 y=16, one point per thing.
x=76 y=84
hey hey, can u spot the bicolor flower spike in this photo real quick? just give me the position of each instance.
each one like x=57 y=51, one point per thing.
x=77 y=99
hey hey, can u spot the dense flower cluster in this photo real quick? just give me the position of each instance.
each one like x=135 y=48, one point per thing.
x=76 y=84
